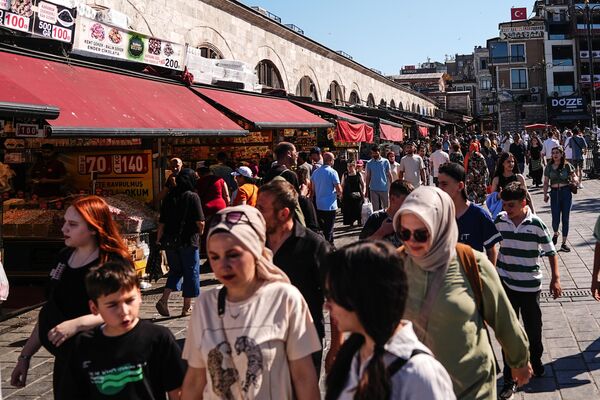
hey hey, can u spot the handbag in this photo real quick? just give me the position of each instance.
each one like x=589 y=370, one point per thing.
x=172 y=242
x=356 y=195
x=573 y=187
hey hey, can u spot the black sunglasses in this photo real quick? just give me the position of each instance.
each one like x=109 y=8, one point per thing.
x=419 y=235
x=232 y=218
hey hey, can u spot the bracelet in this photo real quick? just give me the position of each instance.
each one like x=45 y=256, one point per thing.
x=24 y=357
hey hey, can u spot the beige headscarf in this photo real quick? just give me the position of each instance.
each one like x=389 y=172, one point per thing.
x=250 y=230
x=435 y=208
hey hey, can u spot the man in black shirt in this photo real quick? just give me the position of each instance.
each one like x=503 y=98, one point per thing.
x=286 y=157
x=297 y=250
x=379 y=225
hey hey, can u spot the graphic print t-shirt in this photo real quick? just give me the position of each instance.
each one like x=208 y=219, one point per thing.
x=250 y=360
x=144 y=363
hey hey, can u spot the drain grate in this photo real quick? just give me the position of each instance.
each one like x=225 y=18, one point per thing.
x=569 y=293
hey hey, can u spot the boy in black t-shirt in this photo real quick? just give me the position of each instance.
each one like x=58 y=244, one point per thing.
x=125 y=358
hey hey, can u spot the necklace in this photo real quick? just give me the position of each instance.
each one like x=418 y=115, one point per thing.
x=84 y=262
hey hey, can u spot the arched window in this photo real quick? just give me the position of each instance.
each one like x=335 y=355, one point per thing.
x=370 y=100
x=268 y=75
x=334 y=94
x=413 y=108
x=382 y=103
x=392 y=104
x=418 y=109
x=207 y=50
x=354 y=98
x=306 y=88
x=400 y=106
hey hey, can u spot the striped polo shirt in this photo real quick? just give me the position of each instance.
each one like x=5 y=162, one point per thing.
x=519 y=261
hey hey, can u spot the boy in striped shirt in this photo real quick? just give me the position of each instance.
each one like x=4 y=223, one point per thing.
x=524 y=238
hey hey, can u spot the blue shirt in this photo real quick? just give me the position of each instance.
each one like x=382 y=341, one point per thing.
x=324 y=180
x=577 y=143
x=379 y=170
x=476 y=228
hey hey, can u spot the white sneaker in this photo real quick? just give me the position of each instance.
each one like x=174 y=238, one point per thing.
x=580 y=186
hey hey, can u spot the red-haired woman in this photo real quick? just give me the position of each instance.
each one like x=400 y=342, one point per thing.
x=92 y=238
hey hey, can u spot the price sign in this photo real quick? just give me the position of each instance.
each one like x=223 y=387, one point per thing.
x=62 y=34
x=105 y=164
x=29 y=130
x=130 y=164
x=17 y=22
x=94 y=163
x=54 y=21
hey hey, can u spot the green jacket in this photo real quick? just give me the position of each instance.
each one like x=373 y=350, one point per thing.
x=455 y=331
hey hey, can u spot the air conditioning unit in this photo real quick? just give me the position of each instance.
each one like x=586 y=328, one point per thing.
x=596 y=54
x=534 y=90
x=584 y=54
x=535 y=98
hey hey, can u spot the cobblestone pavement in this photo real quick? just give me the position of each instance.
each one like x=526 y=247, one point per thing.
x=571 y=324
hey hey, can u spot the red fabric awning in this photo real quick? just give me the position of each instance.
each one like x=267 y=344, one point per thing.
x=347 y=132
x=265 y=112
x=336 y=113
x=100 y=103
x=423 y=131
x=391 y=132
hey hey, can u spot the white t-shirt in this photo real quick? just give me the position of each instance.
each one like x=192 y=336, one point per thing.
x=263 y=332
x=394 y=169
x=438 y=158
x=548 y=145
x=568 y=149
x=412 y=166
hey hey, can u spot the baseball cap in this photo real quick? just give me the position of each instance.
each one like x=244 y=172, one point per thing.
x=360 y=162
x=243 y=171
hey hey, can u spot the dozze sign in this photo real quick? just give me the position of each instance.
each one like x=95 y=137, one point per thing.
x=568 y=105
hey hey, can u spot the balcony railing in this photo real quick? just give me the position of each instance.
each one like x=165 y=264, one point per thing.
x=564 y=62
x=506 y=60
x=564 y=90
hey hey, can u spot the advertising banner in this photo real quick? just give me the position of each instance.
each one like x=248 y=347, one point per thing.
x=40 y=18
x=567 y=105
x=108 y=41
x=121 y=171
x=524 y=32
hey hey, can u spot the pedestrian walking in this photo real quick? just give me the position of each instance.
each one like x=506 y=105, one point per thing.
x=507 y=172
x=382 y=359
x=456 y=155
x=579 y=148
x=550 y=143
x=438 y=157
x=299 y=252
x=353 y=195
x=596 y=271
x=524 y=238
x=175 y=165
x=394 y=166
x=424 y=154
x=559 y=175
x=253 y=337
x=505 y=142
x=454 y=291
x=286 y=157
x=91 y=239
x=477 y=178
x=519 y=151
x=475 y=225
x=247 y=190
x=304 y=185
x=491 y=156
x=327 y=188
x=180 y=226
x=536 y=161
x=412 y=167
x=378 y=175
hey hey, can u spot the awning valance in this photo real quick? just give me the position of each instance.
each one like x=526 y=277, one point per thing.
x=337 y=114
x=391 y=132
x=96 y=102
x=348 y=132
x=423 y=131
x=263 y=111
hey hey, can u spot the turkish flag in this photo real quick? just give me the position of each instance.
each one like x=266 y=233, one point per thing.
x=517 y=14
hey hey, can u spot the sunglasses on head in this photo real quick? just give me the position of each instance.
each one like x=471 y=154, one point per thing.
x=418 y=235
x=230 y=219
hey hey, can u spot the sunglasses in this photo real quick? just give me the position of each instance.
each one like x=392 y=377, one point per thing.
x=230 y=219
x=419 y=235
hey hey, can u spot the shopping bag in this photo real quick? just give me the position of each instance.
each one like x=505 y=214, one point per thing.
x=366 y=211
x=3 y=284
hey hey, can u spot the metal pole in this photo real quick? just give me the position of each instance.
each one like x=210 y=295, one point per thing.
x=591 y=57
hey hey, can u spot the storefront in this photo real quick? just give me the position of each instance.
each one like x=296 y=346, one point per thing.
x=106 y=130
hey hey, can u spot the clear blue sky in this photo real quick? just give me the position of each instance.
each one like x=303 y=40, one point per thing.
x=387 y=34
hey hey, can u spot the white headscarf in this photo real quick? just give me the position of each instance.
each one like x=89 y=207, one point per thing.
x=250 y=230
x=435 y=208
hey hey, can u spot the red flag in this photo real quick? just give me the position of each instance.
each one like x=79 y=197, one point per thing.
x=517 y=14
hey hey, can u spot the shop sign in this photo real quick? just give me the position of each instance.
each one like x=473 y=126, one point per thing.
x=524 y=32
x=40 y=18
x=29 y=130
x=567 y=105
x=109 y=41
x=123 y=171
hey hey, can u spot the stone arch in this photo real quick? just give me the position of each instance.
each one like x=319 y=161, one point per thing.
x=392 y=104
x=269 y=75
x=354 y=97
x=306 y=71
x=335 y=94
x=413 y=108
x=355 y=88
x=268 y=53
x=203 y=35
x=400 y=106
x=382 y=103
x=306 y=88
x=208 y=50
x=370 y=100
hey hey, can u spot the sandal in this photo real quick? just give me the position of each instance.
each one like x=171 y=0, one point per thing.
x=186 y=311
x=163 y=308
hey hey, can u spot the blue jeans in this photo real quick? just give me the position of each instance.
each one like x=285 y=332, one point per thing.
x=184 y=265
x=561 y=201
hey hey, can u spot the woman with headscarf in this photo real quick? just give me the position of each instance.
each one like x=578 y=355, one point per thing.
x=441 y=302
x=477 y=177
x=253 y=337
x=180 y=225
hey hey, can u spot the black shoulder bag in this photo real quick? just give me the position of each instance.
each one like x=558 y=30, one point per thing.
x=172 y=242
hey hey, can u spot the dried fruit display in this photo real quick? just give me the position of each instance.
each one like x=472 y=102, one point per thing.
x=97 y=32
x=154 y=46
x=22 y=7
x=124 y=207
x=168 y=50
x=115 y=36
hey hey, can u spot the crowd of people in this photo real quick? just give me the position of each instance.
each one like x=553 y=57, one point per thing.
x=452 y=249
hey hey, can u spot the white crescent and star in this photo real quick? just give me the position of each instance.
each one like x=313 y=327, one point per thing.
x=519 y=14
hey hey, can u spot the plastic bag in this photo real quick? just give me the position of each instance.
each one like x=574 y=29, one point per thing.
x=366 y=211
x=4 y=287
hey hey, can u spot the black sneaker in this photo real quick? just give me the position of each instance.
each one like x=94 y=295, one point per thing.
x=508 y=391
x=555 y=238
x=565 y=248
x=538 y=370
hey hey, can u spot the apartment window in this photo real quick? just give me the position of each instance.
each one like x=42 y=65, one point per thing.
x=485 y=84
x=517 y=52
x=483 y=63
x=564 y=83
x=499 y=52
x=562 y=55
x=518 y=78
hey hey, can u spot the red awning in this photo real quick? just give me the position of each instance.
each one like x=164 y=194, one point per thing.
x=335 y=113
x=423 y=131
x=347 y=132
x=94 y=102
x=391 y=132
x=18 y=102
x=265 y=112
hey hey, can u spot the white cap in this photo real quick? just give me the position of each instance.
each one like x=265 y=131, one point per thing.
x=243 y=171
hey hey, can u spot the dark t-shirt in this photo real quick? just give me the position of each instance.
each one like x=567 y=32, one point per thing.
x=285 y=173
x=518 y=150
x=144 y=363
x=476 y=228
x=51 y=169
x=373 y=223
x=300 y=257
x=172 y=213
